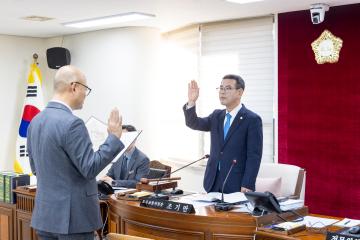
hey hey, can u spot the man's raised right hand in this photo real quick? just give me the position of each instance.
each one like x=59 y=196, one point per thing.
x=115 y=123
x=193 y=93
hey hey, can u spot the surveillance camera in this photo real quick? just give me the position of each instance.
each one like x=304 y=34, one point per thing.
x=317 y=12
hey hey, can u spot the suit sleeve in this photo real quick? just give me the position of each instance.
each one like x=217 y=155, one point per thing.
x=79 y=148
x=141 y=171
x=28 y=144
x=195 y=122
x=254 y=153
x=111 y=172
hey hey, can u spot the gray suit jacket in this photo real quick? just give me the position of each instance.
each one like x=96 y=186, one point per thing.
x=65 y=165
x=138 y=168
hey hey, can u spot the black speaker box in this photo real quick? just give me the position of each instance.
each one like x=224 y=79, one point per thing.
x=58 y=57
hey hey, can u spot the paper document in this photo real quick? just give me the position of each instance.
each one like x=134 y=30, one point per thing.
x=317 y=222
x=216 y=197
x=119 y=188
x=347 y=222
x=289 y=225
x=291 y=204
x=243 y=208
x=192 y=199
x=203 y=200
x=98 y=134
x=124 y=190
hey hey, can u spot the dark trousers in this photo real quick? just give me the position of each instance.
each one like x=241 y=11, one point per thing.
x=76 y=236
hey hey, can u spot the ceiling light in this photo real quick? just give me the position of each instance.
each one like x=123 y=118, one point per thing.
x=94 y=22
x=37 y=18
x=244 y=1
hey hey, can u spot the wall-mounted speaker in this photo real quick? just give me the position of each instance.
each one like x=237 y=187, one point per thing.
x=58 y=57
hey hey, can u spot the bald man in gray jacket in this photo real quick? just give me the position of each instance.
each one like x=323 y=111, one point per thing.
x=62 y=158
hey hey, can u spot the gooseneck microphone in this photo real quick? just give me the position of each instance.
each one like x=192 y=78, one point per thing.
x=204 y=157
x=223 y=206
x=168 y=174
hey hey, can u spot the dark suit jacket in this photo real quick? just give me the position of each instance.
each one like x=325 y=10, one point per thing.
x=243 y=143
x=138 y=168
x=65 y=165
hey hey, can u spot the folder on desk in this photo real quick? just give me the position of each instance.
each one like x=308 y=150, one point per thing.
x=284 y=228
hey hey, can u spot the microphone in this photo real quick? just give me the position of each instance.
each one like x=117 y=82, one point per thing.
x=157 y=191
x=204 y=157
x=224 y=206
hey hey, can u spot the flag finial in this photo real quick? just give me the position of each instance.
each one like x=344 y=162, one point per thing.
x=35 y=57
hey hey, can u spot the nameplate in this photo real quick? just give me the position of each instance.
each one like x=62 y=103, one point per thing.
x=338 y=236
x=167 y=205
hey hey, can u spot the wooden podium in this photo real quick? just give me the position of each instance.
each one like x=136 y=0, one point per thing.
x=22 y=212
x=156 y=187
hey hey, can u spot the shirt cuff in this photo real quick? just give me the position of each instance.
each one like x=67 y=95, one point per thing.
x=188 y=107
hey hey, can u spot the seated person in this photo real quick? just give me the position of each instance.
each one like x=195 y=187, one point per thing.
x=130 y=167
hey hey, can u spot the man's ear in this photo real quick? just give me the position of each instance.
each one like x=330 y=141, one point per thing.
x=73 y=87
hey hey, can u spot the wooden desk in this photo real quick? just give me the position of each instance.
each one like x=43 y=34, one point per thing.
x=24 y=206
x=7 y=221
x=303 y=235
x=128 y=217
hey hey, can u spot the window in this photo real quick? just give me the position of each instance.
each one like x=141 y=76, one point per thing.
x=206 y=53
x=246 y=48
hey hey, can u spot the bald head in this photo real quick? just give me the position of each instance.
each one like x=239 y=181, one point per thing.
x=70 y=87
x=65 y=76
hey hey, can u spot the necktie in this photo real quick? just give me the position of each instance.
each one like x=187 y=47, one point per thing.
x=226 y=129
x=227 y=124
x=124 y=167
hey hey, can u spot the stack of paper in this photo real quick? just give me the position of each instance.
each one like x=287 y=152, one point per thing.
x=216 y=197
x=289 y=225
x=201 y=200
x=291 y=204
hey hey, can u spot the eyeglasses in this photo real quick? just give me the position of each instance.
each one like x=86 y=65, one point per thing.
x=225 y=89
x=87 y=91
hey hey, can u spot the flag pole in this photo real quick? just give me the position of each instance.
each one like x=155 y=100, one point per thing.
x=35 y=57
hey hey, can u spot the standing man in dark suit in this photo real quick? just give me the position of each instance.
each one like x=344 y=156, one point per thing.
x=65 y=165
x=130 y=167
x=236 y=134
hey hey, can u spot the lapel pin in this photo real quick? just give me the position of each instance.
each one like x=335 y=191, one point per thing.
x=241 y=117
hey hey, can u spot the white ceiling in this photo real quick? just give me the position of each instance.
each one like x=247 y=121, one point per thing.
x=170 y=14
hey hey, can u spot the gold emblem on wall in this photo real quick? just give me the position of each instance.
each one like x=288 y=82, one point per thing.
x=327 y=48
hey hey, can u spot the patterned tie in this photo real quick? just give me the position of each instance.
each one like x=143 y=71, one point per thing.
x=227 y=124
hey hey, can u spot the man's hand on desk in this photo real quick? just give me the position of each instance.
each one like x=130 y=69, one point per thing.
x=107 y=179
x=244 y=190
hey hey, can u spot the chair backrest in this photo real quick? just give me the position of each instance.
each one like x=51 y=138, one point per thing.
x=158 y=165
x=292 y=178
x=118 y=236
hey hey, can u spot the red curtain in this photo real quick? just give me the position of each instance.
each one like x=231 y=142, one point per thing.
x=319 y=109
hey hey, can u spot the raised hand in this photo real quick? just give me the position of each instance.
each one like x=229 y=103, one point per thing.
x=193 y=93
x=115 y=123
